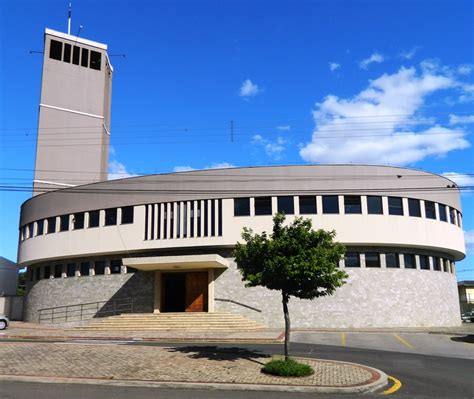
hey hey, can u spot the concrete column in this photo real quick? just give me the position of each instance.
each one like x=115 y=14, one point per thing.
x=210 y=295
x=157 y=293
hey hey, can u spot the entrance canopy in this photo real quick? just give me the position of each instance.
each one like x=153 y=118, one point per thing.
x=183 y=262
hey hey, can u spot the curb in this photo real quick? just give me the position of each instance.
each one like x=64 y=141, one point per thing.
x=53 y=338
x=379 y=382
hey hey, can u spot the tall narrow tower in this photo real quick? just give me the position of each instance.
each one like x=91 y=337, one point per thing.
x=74 y=114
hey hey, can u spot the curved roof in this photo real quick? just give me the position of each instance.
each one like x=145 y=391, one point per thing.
x=244 y=182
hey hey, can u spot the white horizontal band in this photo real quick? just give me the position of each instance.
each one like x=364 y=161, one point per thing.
x=53 y=183
x=72 y=111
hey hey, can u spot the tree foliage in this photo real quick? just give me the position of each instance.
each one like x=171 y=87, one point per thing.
x=294 y=259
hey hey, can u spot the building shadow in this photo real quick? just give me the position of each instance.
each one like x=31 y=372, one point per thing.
x=469 y=339
x=221 y=354
x=134 y=296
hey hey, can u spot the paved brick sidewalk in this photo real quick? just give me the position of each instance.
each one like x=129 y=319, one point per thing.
x=189 y=364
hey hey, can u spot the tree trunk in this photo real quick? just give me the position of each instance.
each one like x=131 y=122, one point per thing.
x=285 y=299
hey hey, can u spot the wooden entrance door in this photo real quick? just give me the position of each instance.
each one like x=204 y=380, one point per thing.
x=196 y=291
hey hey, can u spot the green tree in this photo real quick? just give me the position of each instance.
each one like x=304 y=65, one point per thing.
x=295 y=259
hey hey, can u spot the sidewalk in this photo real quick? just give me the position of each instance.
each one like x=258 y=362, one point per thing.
x=189 y=366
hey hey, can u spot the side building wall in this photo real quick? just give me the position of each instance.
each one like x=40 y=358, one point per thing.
x=370 y=298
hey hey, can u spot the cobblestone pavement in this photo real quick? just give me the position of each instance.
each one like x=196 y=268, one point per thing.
x=165 y=364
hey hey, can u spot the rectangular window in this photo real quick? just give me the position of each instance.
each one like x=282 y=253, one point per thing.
x=76 y=54
x=372 y=259
x=206 y=229
x=263 y=206
x=85 y=58
x=374 y=205
x=95 y=60
x=392 y=260
x=94 y=218
x=67 y=53
x=424 y=262
x=447 y=265
x=85 y=268
x=51 y=225
x=116 y=266
x=352 y=204
x=330 y=204
x=71 y=270
x=47 y=272
x=58 y=271
x=410 y=261
x=286 y=205
x=241 y=206
x=40 y=227
x=395 y=206
x=55 y=50
x=452 y=216
x=430 y=210
x=307 y=205
x=111 y=216
x=414 y=208
x=38 y=273
x=31 y=227
x=99 y=268
x=64 y=223
x=219 y=218
x=436 y=264
x=352 y=259
x=127 y=215
x=442 y=213
x=213 y=218
x=78 y=221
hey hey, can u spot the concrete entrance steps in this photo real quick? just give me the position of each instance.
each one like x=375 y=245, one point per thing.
x=173 y=321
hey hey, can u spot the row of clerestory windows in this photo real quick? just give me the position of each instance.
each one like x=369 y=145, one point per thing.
x=352 y=204
x=76 y=55
x=77 y=221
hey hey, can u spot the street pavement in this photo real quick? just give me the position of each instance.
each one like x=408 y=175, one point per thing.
x=422 y=376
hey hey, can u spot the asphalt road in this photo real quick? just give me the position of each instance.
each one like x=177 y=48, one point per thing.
x=422 y=376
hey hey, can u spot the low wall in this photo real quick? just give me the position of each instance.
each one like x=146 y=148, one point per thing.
x=12 y=306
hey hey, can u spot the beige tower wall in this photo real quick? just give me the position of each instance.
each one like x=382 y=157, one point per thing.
x=74 y=118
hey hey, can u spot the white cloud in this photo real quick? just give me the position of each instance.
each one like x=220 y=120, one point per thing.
x=375 y=57
x=409 y=54
x=345 y=130
x=460 y=179
x=284 y=127
x=183 y=168
x=458 y=120
x=334 y=66
x=249 y=89
x=464 y=69
x=274 y=149
x=467 y=94
x=216 y=165
x=469 y=239
x=118 y=170
x=220 y=165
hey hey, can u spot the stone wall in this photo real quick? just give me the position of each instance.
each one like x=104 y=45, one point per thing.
x=370 y=298
x=88 y=289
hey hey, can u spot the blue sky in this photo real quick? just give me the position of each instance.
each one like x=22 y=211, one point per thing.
x=292 y=75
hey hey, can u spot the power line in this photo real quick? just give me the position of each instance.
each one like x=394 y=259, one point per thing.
x=276 y=121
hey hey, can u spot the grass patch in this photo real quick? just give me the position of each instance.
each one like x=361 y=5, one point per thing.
x=287 y=368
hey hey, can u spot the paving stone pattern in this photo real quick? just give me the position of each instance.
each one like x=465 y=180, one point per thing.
x=184 y=364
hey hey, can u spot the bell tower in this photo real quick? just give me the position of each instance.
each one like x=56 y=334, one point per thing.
x=74 y=113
